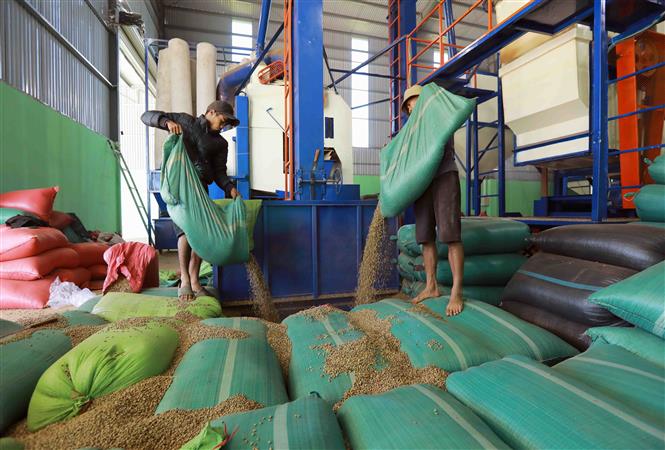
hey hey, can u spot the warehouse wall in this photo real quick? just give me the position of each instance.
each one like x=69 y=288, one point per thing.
x=40 y=147
x=56 y=111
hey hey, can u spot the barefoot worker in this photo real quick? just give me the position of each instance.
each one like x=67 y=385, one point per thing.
x=438 y=215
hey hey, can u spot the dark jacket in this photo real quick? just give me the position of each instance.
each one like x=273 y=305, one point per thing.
x=207 y=149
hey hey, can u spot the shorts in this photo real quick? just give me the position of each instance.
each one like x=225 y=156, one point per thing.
x=176 y=229
x=438 y=209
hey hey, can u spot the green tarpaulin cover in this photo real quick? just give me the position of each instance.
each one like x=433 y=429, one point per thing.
x=217 y=234
x=410 y=161
x=105 y=362
x=214 y=370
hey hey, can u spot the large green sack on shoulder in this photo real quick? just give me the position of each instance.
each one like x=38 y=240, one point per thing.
x=22 y=362
x=657 y=169
x=252 y=209
x=410 y=161
x=639 y=299
x=487 y=294
x=306 y=369
x=217 y=234
x=304 y=424
x=530 y=405
x=650 y=203
x=419 y=416
x=622 y=375
x=479 y=270
x=480 y=236
x=639 y=342
x=214 y=370
x=116 y=306
x=104 y=363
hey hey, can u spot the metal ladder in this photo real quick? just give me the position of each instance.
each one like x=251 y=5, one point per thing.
x=133 y=191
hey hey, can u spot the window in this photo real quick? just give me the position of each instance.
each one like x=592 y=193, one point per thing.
x=241 y=37
x=359 y=94
x=436 y=60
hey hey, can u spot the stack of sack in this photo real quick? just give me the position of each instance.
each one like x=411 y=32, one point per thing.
x=553 y=288
x=91 y=256
x=492 y=254
x=650 y=200
x=31 y=258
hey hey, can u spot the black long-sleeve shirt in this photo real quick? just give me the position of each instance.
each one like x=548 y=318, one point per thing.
x=207 y=149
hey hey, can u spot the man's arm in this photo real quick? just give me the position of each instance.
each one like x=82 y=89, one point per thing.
x=172 y=122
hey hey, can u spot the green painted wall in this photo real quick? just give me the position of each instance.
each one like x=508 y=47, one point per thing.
x=369 y=184
x=39 y=147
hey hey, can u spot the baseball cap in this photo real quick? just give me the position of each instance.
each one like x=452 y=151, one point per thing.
x=225 y=108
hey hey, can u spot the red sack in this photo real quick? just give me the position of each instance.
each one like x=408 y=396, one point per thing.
x=36 y=201
x=17 y=243
x=98 y=271
x=137 y=262
x=96 y=285
x=91 y=253
x=36 y=267
x=15 y=294
x=60 y=220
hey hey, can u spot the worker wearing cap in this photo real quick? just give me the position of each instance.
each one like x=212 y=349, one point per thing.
x=438 y=215
x=208 y=151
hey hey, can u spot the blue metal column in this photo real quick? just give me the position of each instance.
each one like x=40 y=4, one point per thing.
x=501 y=175
x=598 y=131
x=307 y=88
x=263 y=25
x=467 y=169
x=449 y=17
x=405 y=24
x=242 y=146
x=476 y=168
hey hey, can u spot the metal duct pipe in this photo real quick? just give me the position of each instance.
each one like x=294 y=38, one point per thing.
x=263 y=25
x=231 y=79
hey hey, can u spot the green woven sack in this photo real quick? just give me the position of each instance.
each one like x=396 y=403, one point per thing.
x=89 y=305
x=78 y=318
x=217 y=234
x=639 y=299
x=479 y=270
x=304 y=424
x=410 y=161
x=8 y=327
x=252 y=209
x=657 y=169
x=21 y=364
x=214 y=370
x=650 y=224
x=530 y=405
x=104 y=363
x=479 y=334
x=10 y=444
x=650 y=203
x=124 y=305
x=479 y=237
x=636 y=341
x=306 y=372
x=621 y=375
x=418 y=416
x=486 y=294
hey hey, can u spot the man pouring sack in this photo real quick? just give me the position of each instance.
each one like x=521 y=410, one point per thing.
x=208 y=151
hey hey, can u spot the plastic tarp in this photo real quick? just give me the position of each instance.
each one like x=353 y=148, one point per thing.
x=215 y=370
x=419 y=416
x=639 y=299
x=410 y=161
x=124 y=305
x=530 y=405
x=103 y=363
x=622 y=375
x=304 y=424
x=217 y=234
x=480 y=236
x=23 y=362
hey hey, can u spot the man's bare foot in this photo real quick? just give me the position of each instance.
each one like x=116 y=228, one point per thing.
x=455 y=305
x=185 y=293
x=425 y=294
